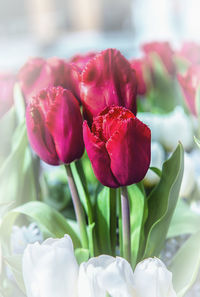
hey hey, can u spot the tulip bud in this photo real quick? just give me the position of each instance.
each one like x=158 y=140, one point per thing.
x=118 y=146
x=54 y=125
x=50 y=269
x=105 y=274
x=139 y=66
x=7 y=82
x=22 y=236
x=189 y=84
x=189 y=180
x=39 y=73
x=108 y=79
x=165 y=53
x=82 y=59
x=152 y=279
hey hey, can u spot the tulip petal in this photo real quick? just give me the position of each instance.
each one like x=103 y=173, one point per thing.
x=99 y=157
x=108 y=80
x=129 y=150
x=39 y=137
x=64 y=121
x=50 y=269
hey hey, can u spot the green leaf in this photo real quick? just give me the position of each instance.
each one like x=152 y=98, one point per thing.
x=16 y=174
x=162 y=202
x=82 y=255
x=48 y=219
x=19 y=103
x=103 y=220
x=184 y=220
x=185 y=265
x=197 y=141
x=137 y=216
x=156 y=171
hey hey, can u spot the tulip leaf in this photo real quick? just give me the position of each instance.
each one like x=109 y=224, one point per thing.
x=197 y=141
x=82 y=255
x=103 y=220
x=162 y=202
x=184 y=220
x=138 y=213
x=19 y=103
x=15 y=264
x=48 y=219
x=17 y=182
x=185 y=265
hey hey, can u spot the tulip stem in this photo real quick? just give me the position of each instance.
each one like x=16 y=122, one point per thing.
x=77 y=207
x=125 y=224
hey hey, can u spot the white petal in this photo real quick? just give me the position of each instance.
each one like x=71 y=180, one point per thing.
x=152 y=279
x=50 y=269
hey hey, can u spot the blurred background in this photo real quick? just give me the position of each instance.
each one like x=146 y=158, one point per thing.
x=62 y=27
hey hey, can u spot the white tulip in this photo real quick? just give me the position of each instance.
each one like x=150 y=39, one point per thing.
x=152 y=279
x=176 y=126
x=106 y=274
x=157 y=159
x=21 y=236
x=189 y=179
x=50 y=269
x=154 y=122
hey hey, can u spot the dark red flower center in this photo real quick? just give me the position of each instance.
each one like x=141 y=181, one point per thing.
x=109 y=121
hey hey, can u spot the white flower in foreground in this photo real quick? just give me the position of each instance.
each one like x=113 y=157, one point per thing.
x=50 y=269
x=21 y=236
x=152 y=279
x=106 y=274
x=157 y=159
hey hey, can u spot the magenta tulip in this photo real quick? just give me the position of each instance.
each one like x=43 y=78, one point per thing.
x=165 y=53
x=54 y=125
x=106 y=80
x=82 y=59
x=189 y=84
x=39 y=73
x=118 y=146
x=139 y=66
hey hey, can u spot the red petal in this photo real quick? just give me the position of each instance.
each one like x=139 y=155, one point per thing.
x=39 y=137
x=99 y=158
x=108 y=80
x=129 y=151
x=64 y=121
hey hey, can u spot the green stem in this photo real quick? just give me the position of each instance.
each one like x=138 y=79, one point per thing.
x=77 y=207
x=126 y=224
x=81 y=173
x=113 y=220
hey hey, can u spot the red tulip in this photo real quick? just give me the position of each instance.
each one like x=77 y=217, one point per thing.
x=81 y=59
x=118 y=146
x=191 y=52
x=139 y=66
x=54 y=125
x=190 y=83
x=107 y=80
x=39 y=73
x=7 y=82
x=165 y=53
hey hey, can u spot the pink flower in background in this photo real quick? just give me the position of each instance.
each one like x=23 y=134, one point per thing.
x=108 y=79
x=7 y=82
x=189 y=84
x=164 y=51
x=39 y=73
x=191 y=52
x=139 y=66
x=118 y=146
x=81 y=59
x=54 y=125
